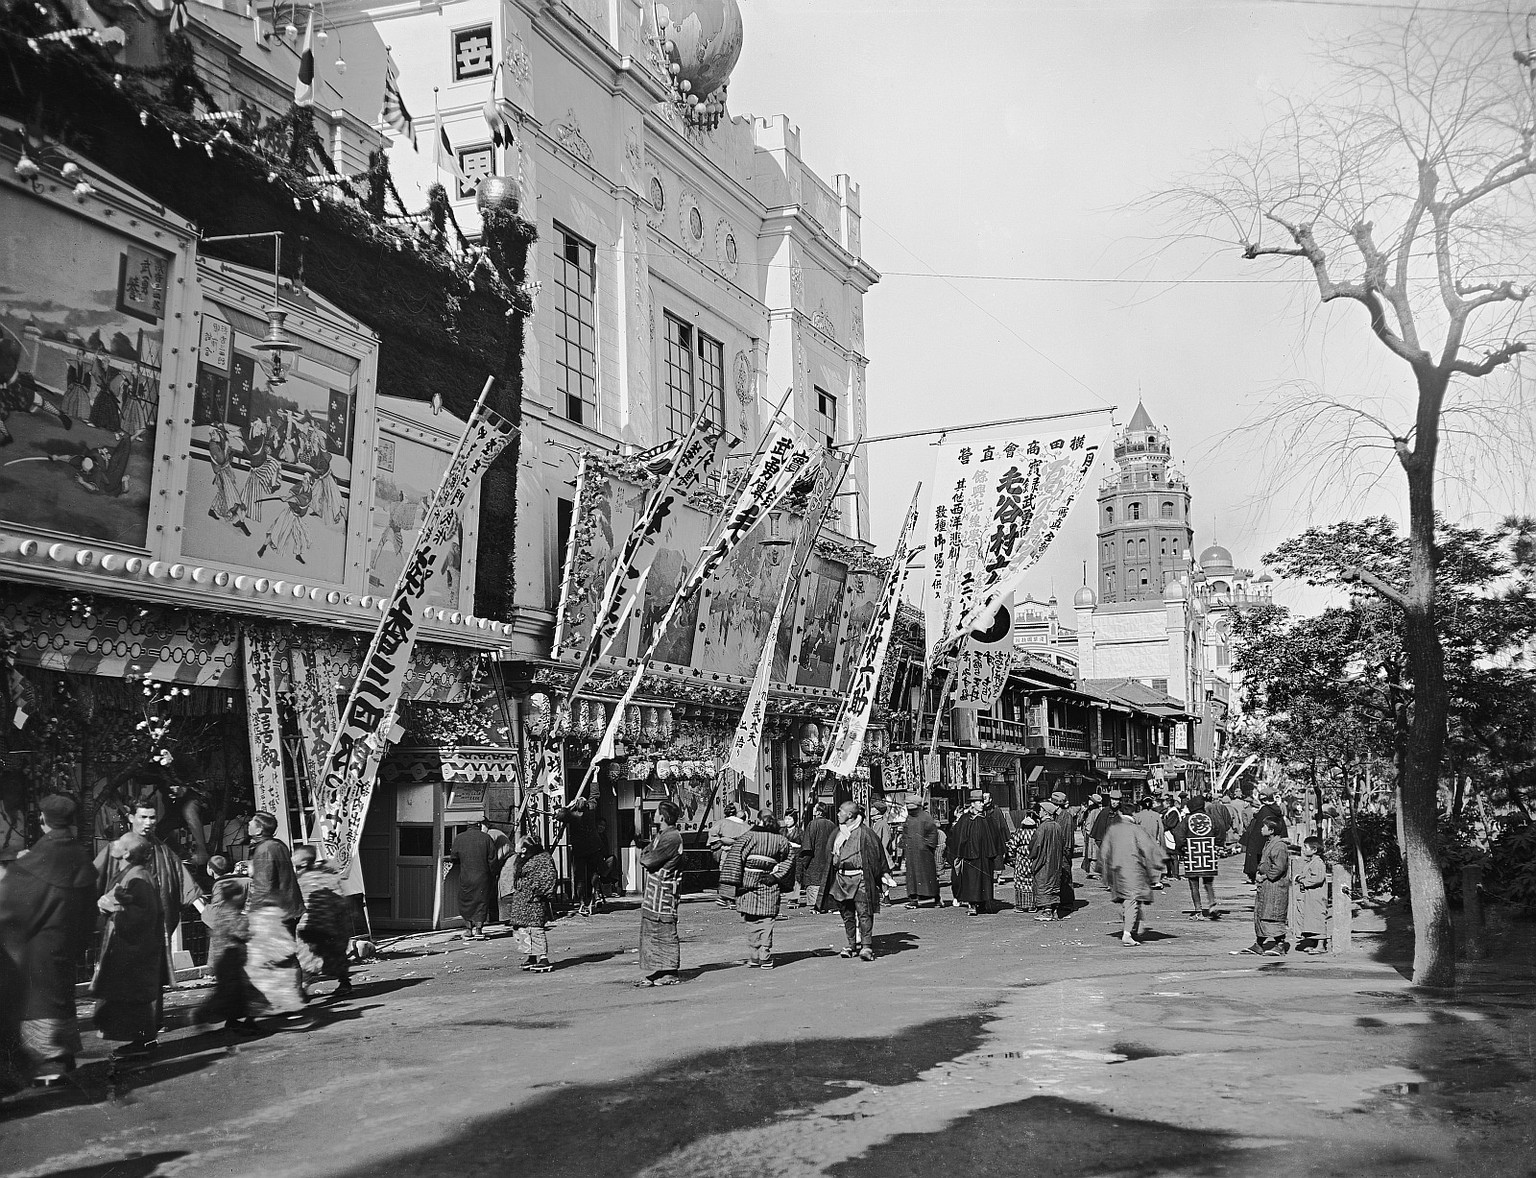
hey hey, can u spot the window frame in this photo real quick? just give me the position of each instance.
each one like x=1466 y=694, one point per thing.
x=823 y=396
x=585 y=382
x=693 y=375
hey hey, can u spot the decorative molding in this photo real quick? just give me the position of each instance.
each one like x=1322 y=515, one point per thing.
x=634 y=158
x=858 y=329
x=655 y=186
x=743 y=371
x=690 y=222
x=516 y=58
x=726 y=247
x=821 y=320
x=796 y=280
x=567 y=133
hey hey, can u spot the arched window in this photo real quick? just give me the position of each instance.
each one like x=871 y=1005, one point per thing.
x=1109 y=515
x=1135 y=511
x=1167 y=510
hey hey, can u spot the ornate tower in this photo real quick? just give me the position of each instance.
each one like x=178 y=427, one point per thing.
x=1144 y=535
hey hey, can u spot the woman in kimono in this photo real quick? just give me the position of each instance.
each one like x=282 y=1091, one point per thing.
x=1272 y=904
x=529 y=881
x=1023 y=865
x=132 y=971
x=660 y=953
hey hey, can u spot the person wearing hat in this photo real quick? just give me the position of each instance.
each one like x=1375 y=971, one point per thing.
x=47 y=913
x=922 y=844
x=1102 y=823
x=273 y=905
x=973 y=848
x=1090 y=847
x=172 y=880
x=1048 y=855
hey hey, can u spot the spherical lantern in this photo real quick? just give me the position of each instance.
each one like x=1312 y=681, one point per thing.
x=700 y=41
x=500 y=193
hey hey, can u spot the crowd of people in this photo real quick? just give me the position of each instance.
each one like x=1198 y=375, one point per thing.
x=276 y=922
x=279 y=920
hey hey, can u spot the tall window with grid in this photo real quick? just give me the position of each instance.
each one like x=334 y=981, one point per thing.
x=575 y=328
x=825 y=420
x=693 y=371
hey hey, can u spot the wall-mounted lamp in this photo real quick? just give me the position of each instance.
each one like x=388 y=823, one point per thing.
x=277 y=347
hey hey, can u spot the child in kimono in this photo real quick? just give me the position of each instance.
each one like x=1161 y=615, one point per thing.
x=233 y=998
x=1311 y=884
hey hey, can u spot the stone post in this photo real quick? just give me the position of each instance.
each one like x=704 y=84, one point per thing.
x=1342 y=915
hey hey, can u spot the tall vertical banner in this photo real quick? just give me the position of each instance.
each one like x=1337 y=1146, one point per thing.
x=847 y=740
x=363 y=730
x=997 y=505
x=780 y=464
x=746 y=745
x=695 y=455
x=259 y=648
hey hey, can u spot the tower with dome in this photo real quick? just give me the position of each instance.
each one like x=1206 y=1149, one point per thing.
x=1145 y=538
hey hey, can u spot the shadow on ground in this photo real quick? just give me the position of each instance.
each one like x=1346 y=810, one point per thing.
x=134 y=1166
x=626 y=1125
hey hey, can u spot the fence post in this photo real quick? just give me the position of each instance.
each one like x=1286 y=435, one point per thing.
x=1341 y=918
x=1472 y=912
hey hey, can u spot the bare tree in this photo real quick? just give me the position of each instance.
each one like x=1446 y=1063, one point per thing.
x=1406 y=188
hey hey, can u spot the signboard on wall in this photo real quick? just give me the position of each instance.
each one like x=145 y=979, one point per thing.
x=82 y=332
x=723 y=629
x=270 y=476
x=406 y=471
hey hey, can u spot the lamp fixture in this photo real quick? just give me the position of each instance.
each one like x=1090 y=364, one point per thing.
x=278 y=349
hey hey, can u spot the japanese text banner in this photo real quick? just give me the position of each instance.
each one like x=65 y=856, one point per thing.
x=847 y=740
x=745 y=757
x=997 y=505
x=364 y=728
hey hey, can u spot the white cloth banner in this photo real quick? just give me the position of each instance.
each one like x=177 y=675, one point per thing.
x=695 y=455
x=997 y=505
x=364 y=728
x=986 y=657
x=262 y=726
x=746 y=745
x=847 y=740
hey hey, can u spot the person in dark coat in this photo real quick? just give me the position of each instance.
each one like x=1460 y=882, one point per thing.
x=233 y=1000
x=273 y=905
x=47 y=913
x=973 y=848
x=1272 y=904
x=326 y=929
x=531 y=882
x=1254 y=838
x=589 y=851
x=172 y=880
x=816 y=853
x=922 y=841
x=475 y=853
x=1047 y=854
x=132 y=971
x=855 y=880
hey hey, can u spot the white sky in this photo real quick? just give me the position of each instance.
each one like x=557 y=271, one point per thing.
x=1014 y=137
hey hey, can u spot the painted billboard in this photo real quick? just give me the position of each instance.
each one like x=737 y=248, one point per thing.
x=82 y=331
x=406 y=472
x=270 y=479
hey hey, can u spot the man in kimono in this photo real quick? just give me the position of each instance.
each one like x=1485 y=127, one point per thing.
x=973 y=848
x=273 y=905
x=47 y=911
x=816 y=853
x=172 y=880
x=856 y=870
x=922 y=842
x=475 y=853
x=1047 y=854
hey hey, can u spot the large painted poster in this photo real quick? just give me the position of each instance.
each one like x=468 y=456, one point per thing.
x=406 y=472
x=270 y=479
x=725 y=627
x=82 y=331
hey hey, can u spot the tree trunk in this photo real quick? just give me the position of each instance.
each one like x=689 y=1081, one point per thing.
x=1434 y=960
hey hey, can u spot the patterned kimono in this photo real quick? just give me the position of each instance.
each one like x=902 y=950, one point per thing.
x=233 y=996
x=756 y=866
x=1023 y=868
x=529 y=884
x=1272 y=906
x=660 y=950
x=326 y=926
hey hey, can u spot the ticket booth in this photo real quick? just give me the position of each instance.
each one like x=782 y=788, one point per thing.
x=425 y=798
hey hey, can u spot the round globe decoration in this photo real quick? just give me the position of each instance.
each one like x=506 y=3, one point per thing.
x=700 y=43
x=500 y=193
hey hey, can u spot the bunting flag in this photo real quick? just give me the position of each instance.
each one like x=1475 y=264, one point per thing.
x=818 y=504
x=367 y=723
x=847 y=739
x=986 y=657
x=697 y=453
x=394 y=113
x=447 y=158
x=304 y=85
x=495 y=118
x=997 y=505
x=746 y=746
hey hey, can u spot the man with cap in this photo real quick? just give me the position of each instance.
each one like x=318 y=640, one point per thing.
x=1090 y=847
x=47 y=912
x=1254 y=837
x=273 y=905
x=1102 y=823
x=172 y=880
x=1048 y=855
x=973 y=849
x=856 y=870
x=922 y=842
